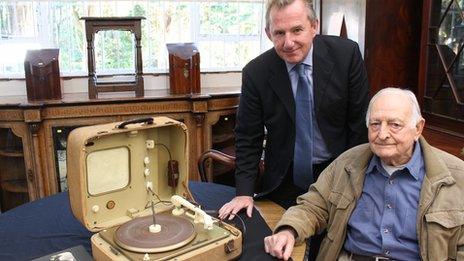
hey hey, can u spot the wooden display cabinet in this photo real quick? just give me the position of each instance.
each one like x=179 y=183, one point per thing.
x=17 y=184
x=219 y=134
x=43 y=126
x=223 y=139
x=60 y=135
x=441 y=74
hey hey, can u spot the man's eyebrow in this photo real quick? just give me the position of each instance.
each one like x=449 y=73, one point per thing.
x=388 y=120
x=394 y=119
x=277 y=30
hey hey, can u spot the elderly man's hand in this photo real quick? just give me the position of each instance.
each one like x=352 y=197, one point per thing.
x=235 y=205
x=281 y=244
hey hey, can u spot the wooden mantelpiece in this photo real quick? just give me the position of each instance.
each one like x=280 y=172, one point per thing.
x=199 y=112
x=117 y=97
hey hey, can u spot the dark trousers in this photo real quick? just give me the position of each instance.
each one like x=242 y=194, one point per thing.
x=285 y=195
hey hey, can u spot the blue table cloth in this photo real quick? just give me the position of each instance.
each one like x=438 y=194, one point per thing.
x=47 y=225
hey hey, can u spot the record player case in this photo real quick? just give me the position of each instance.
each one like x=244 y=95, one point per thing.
x=119 y=172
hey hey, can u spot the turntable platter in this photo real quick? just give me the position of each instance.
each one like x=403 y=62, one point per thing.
x=135 y=236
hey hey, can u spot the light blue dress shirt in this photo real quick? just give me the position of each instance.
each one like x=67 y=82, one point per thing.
x=384 y=219
x=320 y=150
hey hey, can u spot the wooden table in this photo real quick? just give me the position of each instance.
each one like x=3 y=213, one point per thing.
x=271 y=212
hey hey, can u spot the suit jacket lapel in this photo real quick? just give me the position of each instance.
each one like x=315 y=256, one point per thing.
x=280 y=83
x=321 y=72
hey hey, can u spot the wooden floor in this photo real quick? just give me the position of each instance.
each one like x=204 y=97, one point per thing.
x=271 y=212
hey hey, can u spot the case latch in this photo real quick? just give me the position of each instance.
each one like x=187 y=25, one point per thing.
x=229 y=247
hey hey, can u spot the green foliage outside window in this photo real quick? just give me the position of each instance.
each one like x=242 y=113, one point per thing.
x=227 y=33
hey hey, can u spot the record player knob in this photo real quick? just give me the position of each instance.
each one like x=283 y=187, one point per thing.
x=95 y=208
x=146 y=161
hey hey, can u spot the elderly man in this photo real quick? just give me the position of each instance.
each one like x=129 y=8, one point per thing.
x=395 y=198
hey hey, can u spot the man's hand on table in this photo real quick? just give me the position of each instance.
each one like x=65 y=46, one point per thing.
x=238 y=203
x=281 y=244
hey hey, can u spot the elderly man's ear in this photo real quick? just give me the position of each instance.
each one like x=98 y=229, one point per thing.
x=419 y=129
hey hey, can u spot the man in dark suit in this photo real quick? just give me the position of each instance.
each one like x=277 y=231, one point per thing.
x=338 y=92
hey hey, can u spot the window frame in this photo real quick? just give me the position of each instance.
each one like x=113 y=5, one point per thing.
x=43 y=30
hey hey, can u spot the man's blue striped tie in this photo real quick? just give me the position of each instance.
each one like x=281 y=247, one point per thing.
x=303 y=153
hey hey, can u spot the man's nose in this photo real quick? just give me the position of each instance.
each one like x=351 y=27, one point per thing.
x=384 y=132
x=288 y=41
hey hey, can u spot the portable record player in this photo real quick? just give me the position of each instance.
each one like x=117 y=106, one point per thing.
x=128 y=182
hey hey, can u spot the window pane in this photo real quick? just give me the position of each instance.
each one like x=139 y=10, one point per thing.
x=219 y=19
x=227 y=33
x=250 y=19
x=114 y=52
x=66 y=31
x=17 y=19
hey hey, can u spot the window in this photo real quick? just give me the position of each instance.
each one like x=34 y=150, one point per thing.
x=227 y=33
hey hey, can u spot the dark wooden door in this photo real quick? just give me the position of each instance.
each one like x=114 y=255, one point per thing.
x=392 y=45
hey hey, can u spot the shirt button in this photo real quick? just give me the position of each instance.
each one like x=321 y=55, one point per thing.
x=385 y=230
x=389 y=206
x=390 y=182
x=386 y=252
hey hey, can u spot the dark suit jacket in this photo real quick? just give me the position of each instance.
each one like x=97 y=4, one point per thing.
x=340 y=98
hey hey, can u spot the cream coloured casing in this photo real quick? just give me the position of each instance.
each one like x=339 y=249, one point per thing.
x=109 y=169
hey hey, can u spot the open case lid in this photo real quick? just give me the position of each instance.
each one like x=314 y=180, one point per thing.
x=110 y=166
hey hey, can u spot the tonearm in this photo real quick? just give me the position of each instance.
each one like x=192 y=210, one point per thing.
x=199 y=215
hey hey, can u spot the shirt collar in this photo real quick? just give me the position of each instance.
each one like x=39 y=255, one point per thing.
x=308 y=60
x=413 y=166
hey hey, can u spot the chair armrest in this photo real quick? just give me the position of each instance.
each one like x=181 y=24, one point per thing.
x=216 y=155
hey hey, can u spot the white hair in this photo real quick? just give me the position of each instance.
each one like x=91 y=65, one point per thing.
x=416 y=115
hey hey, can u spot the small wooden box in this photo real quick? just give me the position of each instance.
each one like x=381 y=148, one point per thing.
x=184 y=68
x=42 y=75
